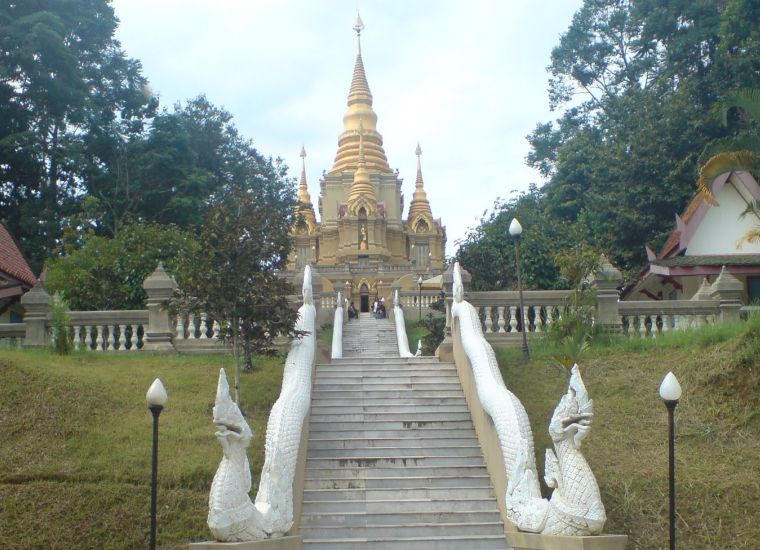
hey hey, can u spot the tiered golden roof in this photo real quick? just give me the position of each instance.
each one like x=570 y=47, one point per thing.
x=304 y=207
x=360 y=113
x=419 y=205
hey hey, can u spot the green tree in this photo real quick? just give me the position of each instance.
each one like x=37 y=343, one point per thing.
x=245 y=241
x=108 y=273
x=63 y=77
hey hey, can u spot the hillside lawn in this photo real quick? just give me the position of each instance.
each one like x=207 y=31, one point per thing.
x=75 y=436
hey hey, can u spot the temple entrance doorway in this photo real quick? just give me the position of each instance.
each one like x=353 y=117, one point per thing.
x=364 y=293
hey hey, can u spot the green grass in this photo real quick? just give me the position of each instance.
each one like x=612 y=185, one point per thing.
x=76 y=446
x=414 y=332
x=75 y=437
x=717 y=431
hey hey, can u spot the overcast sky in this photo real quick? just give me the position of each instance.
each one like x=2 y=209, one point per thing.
x=466 y=79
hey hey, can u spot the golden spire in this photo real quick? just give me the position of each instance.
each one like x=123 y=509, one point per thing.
x=362 y=187
x=304 y=208
x=360 y=113
x=419 y=204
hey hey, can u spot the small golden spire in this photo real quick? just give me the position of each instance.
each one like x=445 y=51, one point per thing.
x=420 y=204
x=304 y=208
x=362 y=187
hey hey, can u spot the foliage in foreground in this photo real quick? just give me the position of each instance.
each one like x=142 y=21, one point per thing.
x=76 y=429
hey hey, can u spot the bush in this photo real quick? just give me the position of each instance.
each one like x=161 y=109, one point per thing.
x=435 y=326
x=62 y=338
x=109 y=273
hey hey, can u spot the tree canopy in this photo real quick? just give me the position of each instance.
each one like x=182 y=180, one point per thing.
x=638 y=86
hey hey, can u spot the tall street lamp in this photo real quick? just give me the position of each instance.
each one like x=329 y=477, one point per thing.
x=156 y=398
x=670 y=392
x=419 y=301
x=515 y=230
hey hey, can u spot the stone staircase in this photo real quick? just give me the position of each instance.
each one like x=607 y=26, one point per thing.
x=393 y=461
x=369 y=337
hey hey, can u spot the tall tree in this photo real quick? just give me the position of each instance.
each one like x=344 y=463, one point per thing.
x=63 y=79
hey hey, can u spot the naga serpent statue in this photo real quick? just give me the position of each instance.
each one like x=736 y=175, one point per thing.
x=232 y=517
x=575 y=507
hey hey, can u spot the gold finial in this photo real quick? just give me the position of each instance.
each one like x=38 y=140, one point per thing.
x=358 y=27
x=418 y=152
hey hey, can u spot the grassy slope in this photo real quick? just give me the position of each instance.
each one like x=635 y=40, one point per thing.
x=717 y=433
x=76 y=438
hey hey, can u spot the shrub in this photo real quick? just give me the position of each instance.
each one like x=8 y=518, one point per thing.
x=62 y=338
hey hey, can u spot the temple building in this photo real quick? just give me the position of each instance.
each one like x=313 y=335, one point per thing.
x=363 y=243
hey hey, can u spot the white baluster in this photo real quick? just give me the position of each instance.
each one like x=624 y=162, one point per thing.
x=502 y=319
x=537 y=326
x=191 y=326
x=204 y=326
x=110 y=334
x=99 y=338
x=489 y=321
x=122 y=341
x=513 y=319
x=179 y=328
x=215 y=329
x=77 y=337
x=665 y=324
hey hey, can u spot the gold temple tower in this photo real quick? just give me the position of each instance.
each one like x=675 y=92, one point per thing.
x=363 y=245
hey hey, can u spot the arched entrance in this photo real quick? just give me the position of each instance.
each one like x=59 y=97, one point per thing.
x=364 y=293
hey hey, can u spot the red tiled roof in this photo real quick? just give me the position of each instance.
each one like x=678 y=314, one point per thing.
x=12 y=261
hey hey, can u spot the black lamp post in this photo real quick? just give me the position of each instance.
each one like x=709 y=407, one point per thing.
x=670 y=392
x=156 y=398
x=419 y=301
x=515 y=230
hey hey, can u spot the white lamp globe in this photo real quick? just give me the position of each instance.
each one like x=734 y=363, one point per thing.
x=670 y=389
x=515 y=229
x=156 y=395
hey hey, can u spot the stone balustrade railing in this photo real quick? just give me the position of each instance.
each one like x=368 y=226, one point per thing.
x=500 y=312
x=411 y=299
x=12 y=334
x=196 y=326
x=108 y=330
x=648 y=319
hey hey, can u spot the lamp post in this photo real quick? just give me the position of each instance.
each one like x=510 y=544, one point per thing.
x=670 y=392
x=515 y=230
x=419 y=300
x=156 y=398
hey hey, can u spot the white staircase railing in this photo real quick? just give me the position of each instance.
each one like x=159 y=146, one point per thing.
x=337 y=336
x=401 y=337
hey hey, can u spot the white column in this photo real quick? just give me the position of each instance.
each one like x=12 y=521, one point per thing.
x=489 y=321
x=215 y=329
x=502 y=319
x=99 y=338
x=122 y=341
x=179 y=328
x=537 y=319
x=204 y=326
x=191 y=326
x=513 y=319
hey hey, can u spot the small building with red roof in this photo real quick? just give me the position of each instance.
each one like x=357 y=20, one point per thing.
x=707 y=236
x=16 y=277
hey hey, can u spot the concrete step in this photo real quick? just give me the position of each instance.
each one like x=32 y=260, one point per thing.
x=326 y=410
x=422 y=399
x=482 y=542
x=403 y=421
x=398 y=493
x=399 y=518
x=411 y=418
x=410 y=433
x=481 y=480
x=394 y=505
x=374 y=381
x=397 y=442
x=395 y=452
x=405 y=530
x=391 y=470
x=380 y=461
x=389 y=394
x=394 y=360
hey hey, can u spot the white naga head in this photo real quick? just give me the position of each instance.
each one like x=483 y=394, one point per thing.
x=573 y=416
x=458 y=286
x=308 y=297
x=232 y=429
